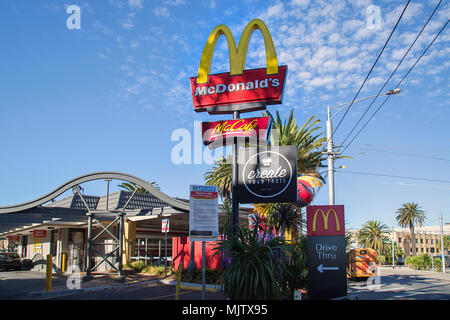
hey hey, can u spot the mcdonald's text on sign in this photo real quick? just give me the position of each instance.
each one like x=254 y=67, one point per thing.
x=239 y=90
x=325 y=220
x=223 y=90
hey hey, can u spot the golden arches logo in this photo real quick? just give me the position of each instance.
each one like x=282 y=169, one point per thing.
x=237 y=55
x=325 y=220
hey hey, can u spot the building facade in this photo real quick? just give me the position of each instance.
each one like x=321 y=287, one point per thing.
x=96 y=233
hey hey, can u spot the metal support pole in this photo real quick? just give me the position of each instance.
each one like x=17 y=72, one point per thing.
x=192 y=266
x=121 y=222
x=203 y=270
x=234 y=184
x=165 y=254
x=107 y=193
x=330 y=159
x=442 y=246
x=89 y=245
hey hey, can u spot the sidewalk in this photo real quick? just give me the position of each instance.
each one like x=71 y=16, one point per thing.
x=110 y=282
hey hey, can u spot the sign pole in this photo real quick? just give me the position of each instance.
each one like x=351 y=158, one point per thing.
x=234 y=199
x=165 y=254
x=203 y=271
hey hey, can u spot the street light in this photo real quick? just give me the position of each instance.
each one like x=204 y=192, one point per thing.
x=330 y=153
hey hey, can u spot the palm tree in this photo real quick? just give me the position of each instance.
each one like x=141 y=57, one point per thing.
x=285 y=217
x=131 y=187
x=282 y=133
x=220 y=176
x=309 y=155
x=372 y=234
x=410 y=215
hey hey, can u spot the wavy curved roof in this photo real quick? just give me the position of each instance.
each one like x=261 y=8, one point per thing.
x=172 y=202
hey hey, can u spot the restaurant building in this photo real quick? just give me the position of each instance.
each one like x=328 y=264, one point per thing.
x=96 y=233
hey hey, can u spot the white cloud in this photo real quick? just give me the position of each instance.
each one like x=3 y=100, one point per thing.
x=161 y=12
x=135 y=4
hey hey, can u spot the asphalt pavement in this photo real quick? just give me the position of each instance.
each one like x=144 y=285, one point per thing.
x=402 y=283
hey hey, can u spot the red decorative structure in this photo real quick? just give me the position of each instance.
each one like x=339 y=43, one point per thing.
x=181 y=251
x=305 y=193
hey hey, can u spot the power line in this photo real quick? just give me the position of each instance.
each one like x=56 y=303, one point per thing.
x=392 y=74
x=406 y=154
x=371 y=69
x=394 y=176
x=423 y=53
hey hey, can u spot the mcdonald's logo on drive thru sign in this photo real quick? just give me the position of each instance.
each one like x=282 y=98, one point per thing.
x=325 y=220
x=239 y=90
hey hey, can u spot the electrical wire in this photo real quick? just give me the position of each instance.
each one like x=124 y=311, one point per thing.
x=387 y=98
x=392 y=74
x=406 y=154
x=393 y=176
x=371 y=69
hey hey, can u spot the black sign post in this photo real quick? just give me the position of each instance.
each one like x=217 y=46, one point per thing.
x=327 y=274
x=326 y=267
x=268 y=175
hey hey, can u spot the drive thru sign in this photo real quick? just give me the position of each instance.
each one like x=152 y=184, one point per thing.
x=327 y=275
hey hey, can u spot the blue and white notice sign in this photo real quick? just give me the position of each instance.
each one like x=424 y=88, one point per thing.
x=204 y=213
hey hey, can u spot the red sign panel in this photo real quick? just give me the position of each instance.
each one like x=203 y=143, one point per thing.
x=14 y=238
x=248 y=89
x=39 y=233
x=325 y=220
x=217 y=131
x=204 y=194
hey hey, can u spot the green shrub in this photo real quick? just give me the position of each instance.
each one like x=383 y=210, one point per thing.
x=256 y=265
x=437 y=264
x=422 y=262
x=295 y=271
x=137 y=265
x=156 y=270
x=212 y=276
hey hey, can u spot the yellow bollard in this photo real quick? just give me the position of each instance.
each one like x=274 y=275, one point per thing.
x=180 y=270
x=63 y=264
x=48 y=278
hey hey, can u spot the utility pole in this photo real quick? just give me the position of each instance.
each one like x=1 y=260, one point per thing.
x=442 y=246
x=330 y=156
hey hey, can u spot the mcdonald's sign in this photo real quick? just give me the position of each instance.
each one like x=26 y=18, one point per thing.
x=239 y=90
x=325 y=220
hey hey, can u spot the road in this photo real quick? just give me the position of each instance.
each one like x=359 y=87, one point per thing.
x=402 y=284
x=17 y=284
x=398 y=284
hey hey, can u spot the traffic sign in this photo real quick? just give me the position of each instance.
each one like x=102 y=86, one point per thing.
x=326 y=267
x=165 y=225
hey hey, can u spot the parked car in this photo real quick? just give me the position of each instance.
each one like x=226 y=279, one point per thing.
x=10 y=260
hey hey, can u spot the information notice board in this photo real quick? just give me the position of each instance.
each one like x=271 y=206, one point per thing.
x=204 y=213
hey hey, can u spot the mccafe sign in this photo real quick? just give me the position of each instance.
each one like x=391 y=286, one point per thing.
x=268 y=175
x=221 y=133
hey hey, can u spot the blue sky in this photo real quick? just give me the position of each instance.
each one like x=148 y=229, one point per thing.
x=108 y=96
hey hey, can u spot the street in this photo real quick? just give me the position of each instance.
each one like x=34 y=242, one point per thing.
x=17 y=284
x=402 y=283
x=398 y=284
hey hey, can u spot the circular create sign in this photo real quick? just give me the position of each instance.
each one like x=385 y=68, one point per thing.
x=267 y=174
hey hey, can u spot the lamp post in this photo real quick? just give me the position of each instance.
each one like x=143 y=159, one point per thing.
x=330 y=152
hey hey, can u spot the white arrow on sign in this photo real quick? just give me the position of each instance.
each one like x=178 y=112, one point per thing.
x=321 y=268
